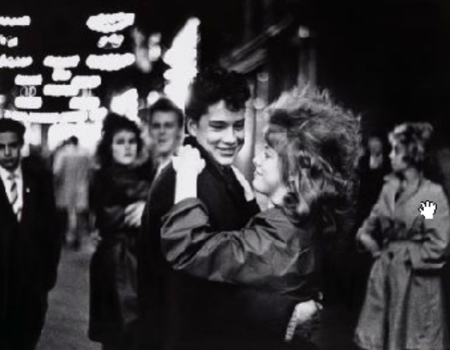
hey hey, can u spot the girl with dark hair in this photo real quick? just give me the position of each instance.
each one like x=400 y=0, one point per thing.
x=307 y=172
x=119 y=191
x=404 y=303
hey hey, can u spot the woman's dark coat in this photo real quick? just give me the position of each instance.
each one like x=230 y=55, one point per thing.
x=113 y=280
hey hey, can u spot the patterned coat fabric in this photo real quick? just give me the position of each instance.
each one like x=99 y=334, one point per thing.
x=404 y=303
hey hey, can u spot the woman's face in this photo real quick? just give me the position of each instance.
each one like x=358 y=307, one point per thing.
x=397 y=157
x=267 y=177
x=124 y=147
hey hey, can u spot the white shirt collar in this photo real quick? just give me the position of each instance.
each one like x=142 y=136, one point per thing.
x=4 y=174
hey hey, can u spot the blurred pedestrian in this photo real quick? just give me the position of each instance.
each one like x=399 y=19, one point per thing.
x=29 y=242
x=404 y=303
x=71 y=167
x=119 y=191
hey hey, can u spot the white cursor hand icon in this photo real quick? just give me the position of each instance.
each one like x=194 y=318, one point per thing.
x=427 y=209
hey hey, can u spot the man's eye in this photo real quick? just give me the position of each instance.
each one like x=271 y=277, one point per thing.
x=239 y=127
x=217 y=126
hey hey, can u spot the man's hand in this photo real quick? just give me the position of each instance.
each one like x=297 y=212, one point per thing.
x=427 y=209
x=133 y=214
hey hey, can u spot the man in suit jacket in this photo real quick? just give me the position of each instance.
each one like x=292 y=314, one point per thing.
x=29 y=242
x=182 y=312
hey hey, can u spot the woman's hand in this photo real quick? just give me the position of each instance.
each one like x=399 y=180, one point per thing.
x=188 y=161
x=188 y=165
x=369 y=243
x=133 y=214
x=304 y=321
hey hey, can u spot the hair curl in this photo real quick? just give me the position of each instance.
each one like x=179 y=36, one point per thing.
x=113 y=124
x=319 y=145
x=213 y=85
x=414 y=137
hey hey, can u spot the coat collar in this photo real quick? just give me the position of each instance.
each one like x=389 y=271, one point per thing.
x=394 y=186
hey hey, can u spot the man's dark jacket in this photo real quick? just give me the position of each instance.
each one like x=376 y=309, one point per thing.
x=29 y=256
x=182 y=312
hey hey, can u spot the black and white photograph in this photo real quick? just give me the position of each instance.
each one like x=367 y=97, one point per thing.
x=224 y=175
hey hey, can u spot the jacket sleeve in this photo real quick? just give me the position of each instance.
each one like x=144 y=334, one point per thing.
x=254 y=255
x=431 y=253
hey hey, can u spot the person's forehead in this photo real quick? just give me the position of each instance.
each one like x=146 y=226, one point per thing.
x=124 y=133
x=8 y=137
x=375 y=140
x=163 y=117
x=219 y=111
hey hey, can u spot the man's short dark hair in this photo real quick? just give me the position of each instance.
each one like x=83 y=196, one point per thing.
x=213 y=85
x=11 y=125
x=166 y=105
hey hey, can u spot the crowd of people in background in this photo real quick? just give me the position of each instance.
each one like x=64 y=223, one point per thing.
x=184 y=258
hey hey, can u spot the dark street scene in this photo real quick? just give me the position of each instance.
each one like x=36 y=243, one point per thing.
x=224 y=174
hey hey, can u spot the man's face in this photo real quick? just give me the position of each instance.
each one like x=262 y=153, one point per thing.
x=375 y=146
x=165 y=132
x=397 y=157
x=10 y=145
x=220 y=132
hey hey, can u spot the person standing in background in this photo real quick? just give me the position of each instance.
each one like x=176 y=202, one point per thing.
x=72 y=167
x=404 y=306
x=373 y=168
x=119 y=190
x=30 y=244
x=165 y=126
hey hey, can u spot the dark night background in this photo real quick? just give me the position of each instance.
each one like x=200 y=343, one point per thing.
x=386 y=59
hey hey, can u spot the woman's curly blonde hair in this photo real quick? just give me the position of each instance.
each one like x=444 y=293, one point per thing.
x=319 y=145
x=414 y=137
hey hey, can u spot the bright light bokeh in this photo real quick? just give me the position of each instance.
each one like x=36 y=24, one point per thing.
x=182 y=58
x=126 y=104
x=88 y=134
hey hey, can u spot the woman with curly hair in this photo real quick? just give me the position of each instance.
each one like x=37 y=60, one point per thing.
x=119 y=190
x=404 y=303
x=307 y=172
